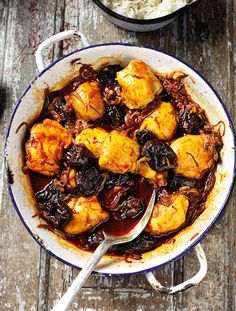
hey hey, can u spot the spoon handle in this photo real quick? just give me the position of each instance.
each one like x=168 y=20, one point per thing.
x=81 y=278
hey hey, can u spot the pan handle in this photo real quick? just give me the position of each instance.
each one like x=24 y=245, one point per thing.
x=197 y=278
x=53 y=39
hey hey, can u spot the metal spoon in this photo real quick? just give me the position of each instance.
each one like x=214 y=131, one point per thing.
x=109 y=240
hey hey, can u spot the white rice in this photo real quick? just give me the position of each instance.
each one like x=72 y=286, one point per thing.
x=144 y=9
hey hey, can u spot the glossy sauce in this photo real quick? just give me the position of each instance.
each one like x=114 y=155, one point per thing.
x=120 y=227
x=143 y=190
x=38 y=181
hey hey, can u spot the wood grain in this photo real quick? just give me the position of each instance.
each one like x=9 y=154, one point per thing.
x=30 y=279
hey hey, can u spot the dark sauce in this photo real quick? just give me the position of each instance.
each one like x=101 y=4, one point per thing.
x=120 y=227
x=38 y=181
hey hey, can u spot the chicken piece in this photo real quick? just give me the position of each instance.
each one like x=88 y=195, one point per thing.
x=162 y=122
x=87 y=101
x=93 y=139
x=143 y=169
x=193 y=158
x=119 y=153
x=139 y=84
x=45 y=145
x=86 y=214
x=169 y=215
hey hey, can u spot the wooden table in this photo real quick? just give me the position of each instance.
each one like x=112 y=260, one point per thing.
x=32 y=280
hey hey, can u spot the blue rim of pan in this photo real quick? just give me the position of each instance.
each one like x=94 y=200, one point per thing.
x=185 y=251
x=143 y=21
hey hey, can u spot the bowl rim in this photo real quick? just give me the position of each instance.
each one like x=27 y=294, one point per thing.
x=203 y=233
x=150 y=21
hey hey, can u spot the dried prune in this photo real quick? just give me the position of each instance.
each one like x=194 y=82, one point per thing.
x=161 y=155
x=56 y=107
x=115 y=115
x=57 y=214
x=49 y=194
x=112 y=94
x=143 y=243
x=204 y=184
x=107 y=75
x=176 y=182
x=111 y=197
x=77 y=156
x=122 y=180
x=144 y=136
x=87 y=179
x=129 y=208
x=209 y=183
x=189 y=122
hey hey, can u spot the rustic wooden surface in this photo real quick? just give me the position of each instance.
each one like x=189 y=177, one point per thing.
x=32 y=280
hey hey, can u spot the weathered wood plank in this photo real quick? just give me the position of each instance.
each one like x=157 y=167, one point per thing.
x=206 y=39
x=18 y=275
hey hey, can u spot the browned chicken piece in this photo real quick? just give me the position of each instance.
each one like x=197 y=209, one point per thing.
x=119 y=153
x=93 y=139
x=45 y=146
x=162 y=122
x=139 y=84
x=86 y=214
x=158 y=179
x=193 y=158
x=87 y=101
x=168 y=214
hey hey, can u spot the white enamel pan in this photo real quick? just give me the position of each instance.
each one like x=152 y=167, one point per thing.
x=28 y=109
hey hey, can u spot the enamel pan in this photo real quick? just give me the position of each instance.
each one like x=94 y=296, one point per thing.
x=28 y=108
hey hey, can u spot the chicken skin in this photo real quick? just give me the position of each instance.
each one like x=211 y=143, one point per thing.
x=158 y=179
x=87 y=101
x=45 y=145
x=86 y=214
x=193 y=158
x=93 y=139
x=168 y=215
x=162 y=122
x=139 y=84
x=119 y=153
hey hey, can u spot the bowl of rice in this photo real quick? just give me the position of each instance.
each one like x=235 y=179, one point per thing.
x=143 y=15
